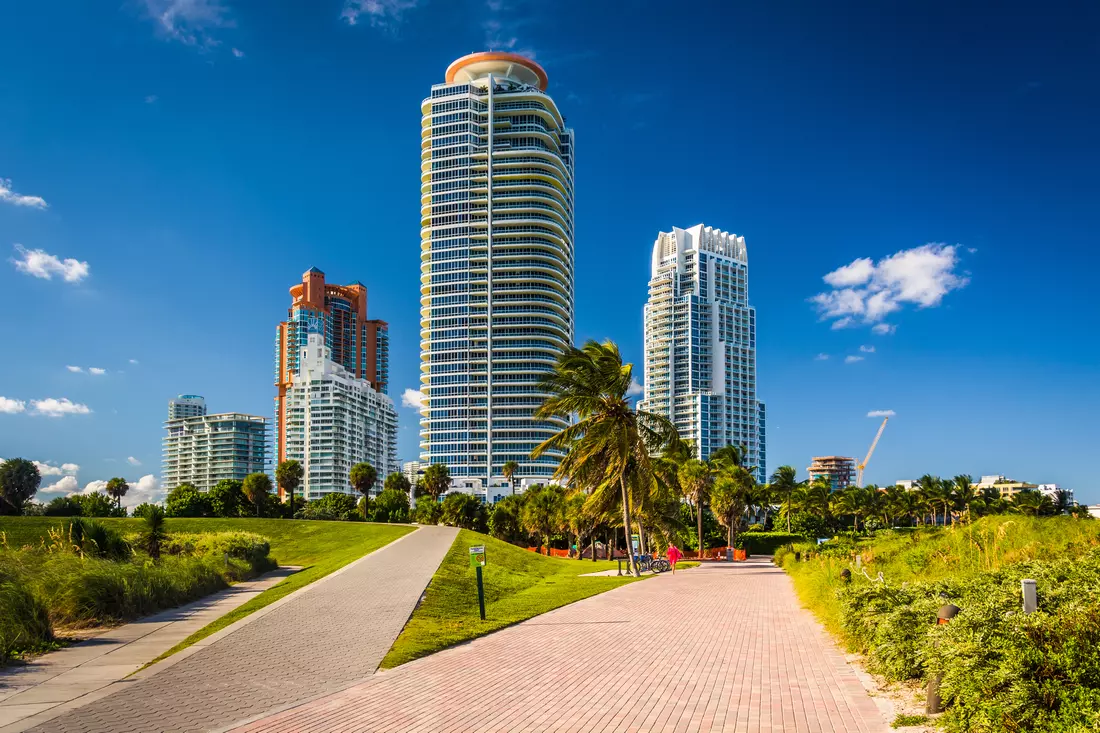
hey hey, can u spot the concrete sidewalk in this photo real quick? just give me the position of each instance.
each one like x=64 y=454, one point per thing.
x=319 y=639
x=76 y=675
x=722 y=647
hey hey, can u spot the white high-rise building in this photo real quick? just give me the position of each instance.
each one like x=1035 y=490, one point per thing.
x=700 y=342
x=335 y=420
x=205 y=449
x=496 y=217
x=186 y=405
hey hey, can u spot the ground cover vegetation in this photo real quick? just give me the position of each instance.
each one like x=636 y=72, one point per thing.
x=518 y=585
x=1002 y=670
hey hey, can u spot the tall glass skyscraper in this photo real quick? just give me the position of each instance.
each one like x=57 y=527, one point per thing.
x=700 y=342
x=496 y=273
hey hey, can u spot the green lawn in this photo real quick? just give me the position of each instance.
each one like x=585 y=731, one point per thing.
x=518 y=585
x=319 y=547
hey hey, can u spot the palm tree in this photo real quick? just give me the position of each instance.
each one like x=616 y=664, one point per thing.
x=436 y=480
x=784 y=486
x=256 y=487
x=938 y=493
x=288 y=475
x=117 y=487
x=578 y=519
x=362 y=478
x=965 y=493
x=729 y=498
x=543 y=512
x=816 y=497
x=1032 y=503
x=610 y=445
x=509 y=470
x=695 y=478
x=850 y=501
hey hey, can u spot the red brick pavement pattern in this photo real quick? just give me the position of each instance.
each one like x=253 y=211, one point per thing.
x=717 y=648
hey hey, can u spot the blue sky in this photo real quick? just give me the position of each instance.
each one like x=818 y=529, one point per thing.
x=180 y=163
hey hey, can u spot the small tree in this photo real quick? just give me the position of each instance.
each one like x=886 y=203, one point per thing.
x=95 y=504
x=116 y=489
x=436 y=480
x=186 y=501
x=19 y=481
x=427 y=512
x=464 y=510
x=694 y=478
x=288 y=475
x=509 y=470
x=257 y=489
x=154 y=534
x=362 y=478
x=505 y=520
x=729 y=499
x=227 y=498
x=544 y=512
x=397 y=481
x=392 y=505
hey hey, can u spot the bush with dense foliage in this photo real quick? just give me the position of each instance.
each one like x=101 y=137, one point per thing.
x=392 y=505
x=1003 y=671
x=765 y=543
x=186 y=501
x=506 y=520
x=428 y=511
x=334 y=506
x=465 y=511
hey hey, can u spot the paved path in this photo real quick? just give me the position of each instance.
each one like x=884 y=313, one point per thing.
x=715 y=648
x=76 y=675
x=317 y=640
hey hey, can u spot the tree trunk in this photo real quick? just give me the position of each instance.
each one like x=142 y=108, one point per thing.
x=788 y=513
x=699 y=527
x=631 y=568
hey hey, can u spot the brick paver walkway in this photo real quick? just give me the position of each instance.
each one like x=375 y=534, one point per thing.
x=325 y=638
x=718 y=648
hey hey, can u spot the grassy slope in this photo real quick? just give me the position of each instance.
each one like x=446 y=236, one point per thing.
x=933 y=554
x=319 y=547
x=518 y=585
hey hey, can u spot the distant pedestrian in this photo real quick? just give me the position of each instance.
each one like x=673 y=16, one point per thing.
x=673 y=556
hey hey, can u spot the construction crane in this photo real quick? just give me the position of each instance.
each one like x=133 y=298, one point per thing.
x=863 y=464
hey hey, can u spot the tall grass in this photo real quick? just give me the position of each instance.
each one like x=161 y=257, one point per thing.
x=24 y=620
x=1003 y=671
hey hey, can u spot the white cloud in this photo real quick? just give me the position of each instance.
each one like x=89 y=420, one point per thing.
x=635 y=389
x=151 y=99
x=75 y=369
x=134 y=361
x=881 y=413
x=146 y=489
x=40 y=263
x=380 y=13
x=90 y=488
x=66 y=485
x=841 y=323
x=867 y=349
x=851 y=359
x=11 y=407
x=883 y=329
x=133 y=461
x=821 y=357
x=238 y=53
x=97 y=371
x=53 y=407
x=869 y=291
x=64 y=469
x=412 y=398
x=856 y=273
x=972 y=250
x=17 y=199
x=191 y=22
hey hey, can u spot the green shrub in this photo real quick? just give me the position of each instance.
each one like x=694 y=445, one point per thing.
x=141 y=510
x=24 y=621
x=465 y=511
x=247 y=546
x=90 y=538
x=336 y=505
x=427 y=511
x=765 y=543
x=62 y=506
x=391 y=505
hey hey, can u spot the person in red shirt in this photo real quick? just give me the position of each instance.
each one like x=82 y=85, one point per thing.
x=673 y=556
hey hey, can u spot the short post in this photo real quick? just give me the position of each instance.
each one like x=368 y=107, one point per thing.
x=846 y=575
x=1031 y=603
x=480 y=594
x=620 y=566
x=933 y=704
x=477 y=561
x=859 y=561
x=729 y=554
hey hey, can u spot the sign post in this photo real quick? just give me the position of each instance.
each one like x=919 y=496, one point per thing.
x=477 y=561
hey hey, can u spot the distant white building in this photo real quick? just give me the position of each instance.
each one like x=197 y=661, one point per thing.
x=907 y=483
x=186 y=405
x=335 y=420
x=413 y=470
x=205 y=449
x=1052 y=490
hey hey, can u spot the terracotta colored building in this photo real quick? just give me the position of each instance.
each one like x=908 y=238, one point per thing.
x=339 y=313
